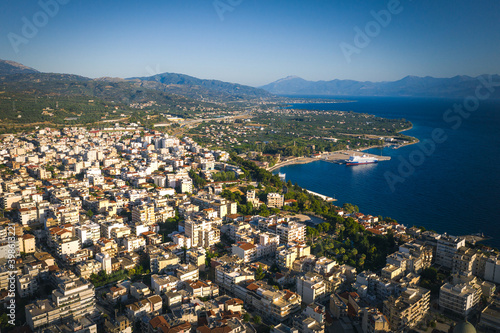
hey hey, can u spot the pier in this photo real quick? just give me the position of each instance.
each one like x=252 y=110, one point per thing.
x=324 y=197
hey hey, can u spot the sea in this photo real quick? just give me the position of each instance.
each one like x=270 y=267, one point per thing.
x=449 y=182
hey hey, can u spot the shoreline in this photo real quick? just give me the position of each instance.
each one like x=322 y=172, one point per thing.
x=338 y=157
x=306 y=160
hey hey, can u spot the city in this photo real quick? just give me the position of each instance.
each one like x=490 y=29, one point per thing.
x=127 y=229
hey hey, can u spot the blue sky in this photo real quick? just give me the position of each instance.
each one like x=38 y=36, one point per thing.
x=254 y=42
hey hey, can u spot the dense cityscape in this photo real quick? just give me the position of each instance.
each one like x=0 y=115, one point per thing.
x=130 y=229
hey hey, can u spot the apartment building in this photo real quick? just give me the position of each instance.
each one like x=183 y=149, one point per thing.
x=227 y=276
x=407 y=310
x=72 y=299
x=164 y=283
x=159 y=261
x=461 y=298
x=107 y=246
x=27 y=243
x=276 y=305
x=492 y=270
x=187 y=272
x=374 y=321
x=245 y=251
x=291 y=232
x=67 y=247
x=286 y=255
x=203 y=233
x=88 y=233
x=463 y=260
x=87 y=268
x=275 y=200
x=447 y=246
x=27 y=285
x=311 y=288
x=144 y=214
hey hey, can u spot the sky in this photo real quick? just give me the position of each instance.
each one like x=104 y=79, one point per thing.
x=254 y=42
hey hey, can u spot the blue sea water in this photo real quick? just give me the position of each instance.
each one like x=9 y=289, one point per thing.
x=454 y=189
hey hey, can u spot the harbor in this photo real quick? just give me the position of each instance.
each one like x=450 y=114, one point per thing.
x=340 y=157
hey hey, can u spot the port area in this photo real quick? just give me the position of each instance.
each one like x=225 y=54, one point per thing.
x=341 y=156
x=338 y=157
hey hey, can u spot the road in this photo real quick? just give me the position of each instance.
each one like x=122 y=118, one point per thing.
x=190 y=123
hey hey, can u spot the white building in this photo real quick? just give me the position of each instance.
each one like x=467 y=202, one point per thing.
x=105 y=261
x=447 y=246
x=88 y=233
x=461 y=298
x=492 y=270
x=291 y=232
x=311 y=288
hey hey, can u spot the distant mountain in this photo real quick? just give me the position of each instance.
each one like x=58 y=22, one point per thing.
x=195 y=88
x=8 y=67
x=69 y=85
x=457 y=86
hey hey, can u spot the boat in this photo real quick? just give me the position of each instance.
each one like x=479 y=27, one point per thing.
x=358 y=160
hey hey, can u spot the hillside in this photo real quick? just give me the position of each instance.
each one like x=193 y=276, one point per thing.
x=414 y=86
x=11 y=67
x=200 y=89
x=31 y=97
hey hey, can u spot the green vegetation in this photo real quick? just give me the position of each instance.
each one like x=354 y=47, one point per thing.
x=259 y=273
x=224 y=176
x=198 y=181
x=342 y=239
x=101 y=279
x=291 y=132
x=46 y=99
x=431 y=279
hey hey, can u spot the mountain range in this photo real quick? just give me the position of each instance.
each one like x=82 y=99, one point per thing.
x=17 y=77
x=179 y=87
x=414 y=86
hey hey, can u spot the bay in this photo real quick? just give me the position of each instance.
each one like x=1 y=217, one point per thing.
x=455 y=188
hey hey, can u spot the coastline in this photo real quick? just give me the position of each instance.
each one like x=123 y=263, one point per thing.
x=338 y=156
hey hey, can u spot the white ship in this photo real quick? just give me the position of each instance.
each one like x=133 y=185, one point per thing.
x=357 y=160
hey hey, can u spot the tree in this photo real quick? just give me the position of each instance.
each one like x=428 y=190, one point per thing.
x=326 y=226
x=90 y=213
x=257 y=320
x=259 y=273
x=429 y=274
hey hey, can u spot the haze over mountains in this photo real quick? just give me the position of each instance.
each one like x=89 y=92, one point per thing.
x=414 y=86
x=21 y=77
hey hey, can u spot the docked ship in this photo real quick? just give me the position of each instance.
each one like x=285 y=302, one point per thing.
x=357 y=160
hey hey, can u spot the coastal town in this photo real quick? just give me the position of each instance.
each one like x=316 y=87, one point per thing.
x=130 y=229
